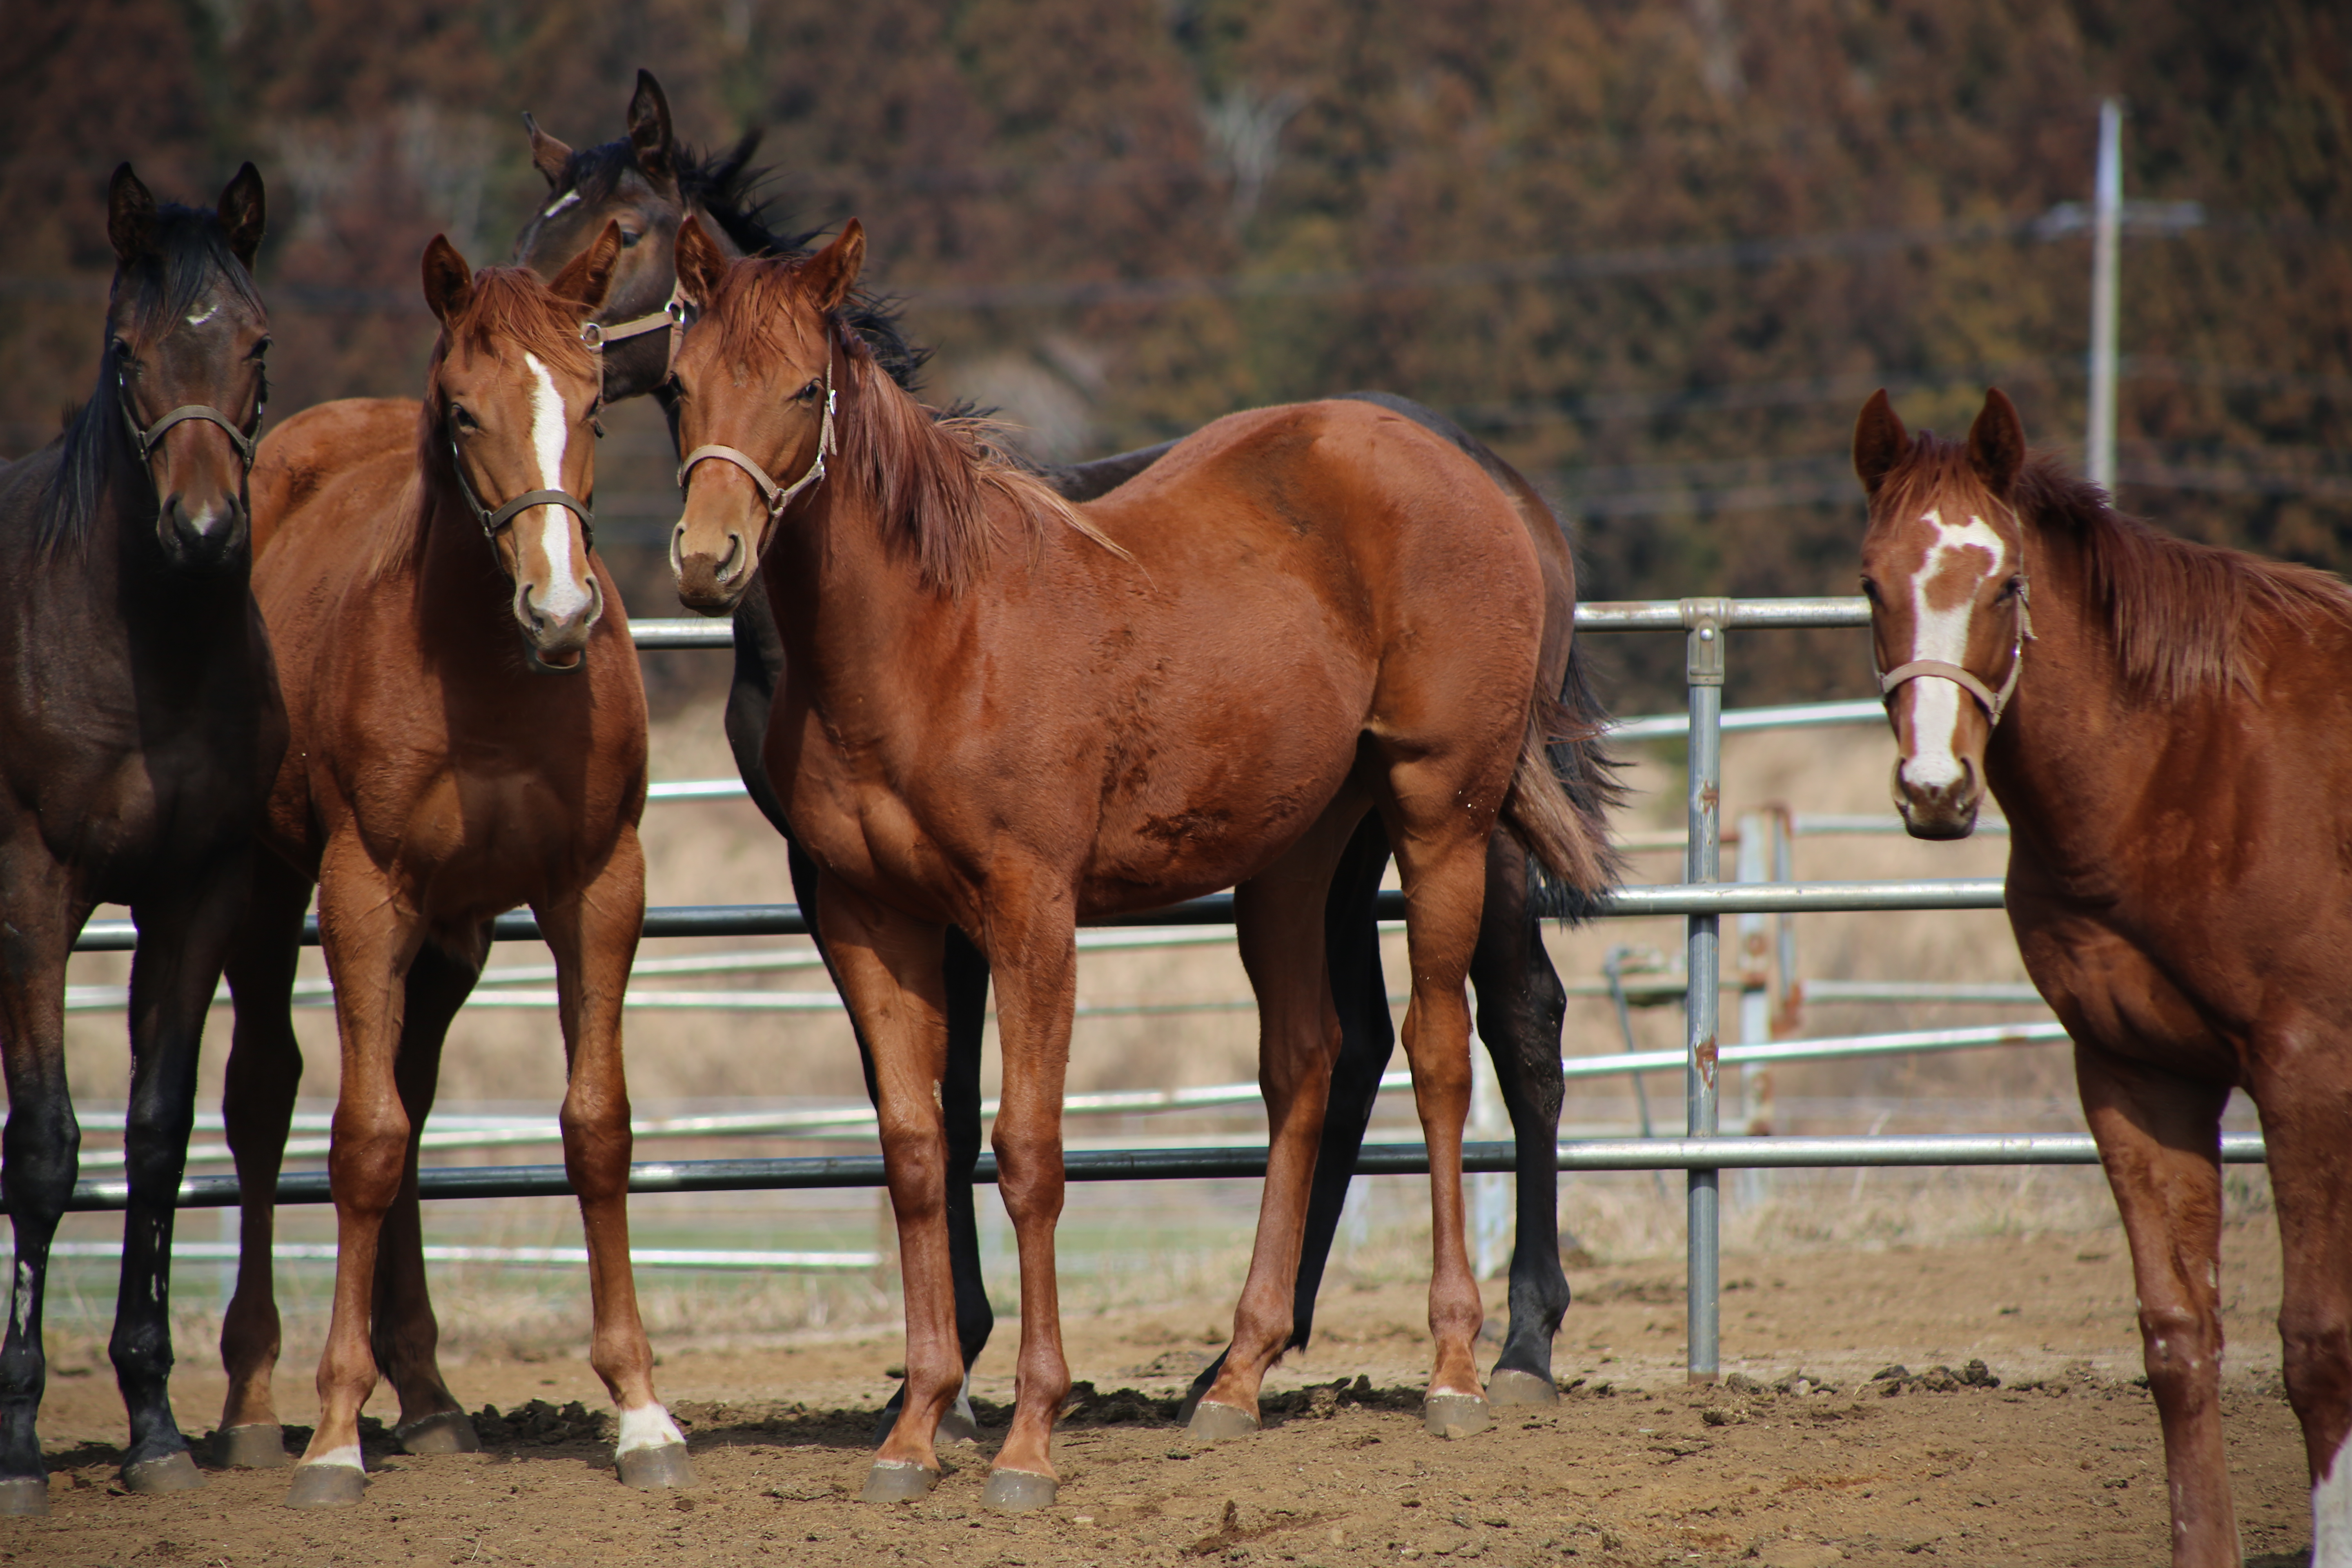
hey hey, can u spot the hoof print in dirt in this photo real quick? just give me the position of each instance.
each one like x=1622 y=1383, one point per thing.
x=171 y=1473
x=1455 y=1414
x=258 y=1446
x=898 y=1480
x=653 y=1468
x=326 y=1485
x=1511 y=1389
x=1017 y=1492
x=443 y=1432
x=1214 y=1423
x=23 y=1495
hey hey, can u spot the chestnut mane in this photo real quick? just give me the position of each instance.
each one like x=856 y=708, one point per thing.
x=2179 y=614
x=939 y=480
x=511 y=313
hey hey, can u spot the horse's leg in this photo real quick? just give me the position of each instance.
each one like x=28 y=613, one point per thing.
x=39 y=1152
x=370 y=942
x=1281 y=942
x=182 y=941
x=2305 y=1098
x=1521 y=1005
x=889 y=968
x=403 y=1332
x=265 y=1070
x=965 y=970
x=1033 y=954
x=1444 y=873
x=2159 y=1138
x=593 y=935
x=1359 y=992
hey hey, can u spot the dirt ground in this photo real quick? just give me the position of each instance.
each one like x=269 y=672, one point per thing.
x=2059 y=1464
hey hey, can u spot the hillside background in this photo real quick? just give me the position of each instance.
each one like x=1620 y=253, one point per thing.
x=1656 y=253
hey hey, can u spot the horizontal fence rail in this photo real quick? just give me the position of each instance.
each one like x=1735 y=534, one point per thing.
x=1196 y=1164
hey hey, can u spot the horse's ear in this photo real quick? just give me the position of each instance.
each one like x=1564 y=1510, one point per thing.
x=243 y=215
x=832 y=272
x=1880 y=442
x=700 y=262
x=448 y=282
x=129 y=215
x=1997 y=443
x=588 y=276
x=649 y=127
x=548 y=156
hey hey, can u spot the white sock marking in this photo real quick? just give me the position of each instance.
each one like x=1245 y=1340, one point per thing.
x=549 y=432
x=648 y=1427
x=1943 y=635
x=349 y=1454
x=2331 y=1514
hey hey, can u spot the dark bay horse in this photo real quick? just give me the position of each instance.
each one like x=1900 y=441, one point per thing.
x=649 y=183
x=1005 y=715
x=443 y=770
x=139 y=725
x=2167 y=727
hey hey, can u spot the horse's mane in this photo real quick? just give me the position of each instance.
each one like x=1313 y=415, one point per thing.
x=2179 y=614
x=192 y=251
x=511 y=313
x=931 y=475
x=727 y=187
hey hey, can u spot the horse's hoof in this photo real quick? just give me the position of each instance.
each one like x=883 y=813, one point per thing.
x=443 y=1432
x=1519 y=1389
x=326 y=1485
x=652 y=1468
x=22 y=1495
x=260 y=1446
x=1455 y=1414
x=958 y=1425
x=171 y=1473
x=1017 y=1492
x=1215 y=1423
x=898 y=1480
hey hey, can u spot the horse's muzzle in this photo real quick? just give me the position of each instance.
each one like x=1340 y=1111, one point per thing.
x=709 y=583
x=1941 y=811
x=555 y=642
x=200 y=536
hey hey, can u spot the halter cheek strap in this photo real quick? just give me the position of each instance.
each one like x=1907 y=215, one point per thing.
x=147 y=438
x=492 y=522
x=778 y=496
x=1993 y=702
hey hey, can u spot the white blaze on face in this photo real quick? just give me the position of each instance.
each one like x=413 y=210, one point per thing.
x=550 y=428
x=206 y=315
x=1943 y=635
x=647 y=1427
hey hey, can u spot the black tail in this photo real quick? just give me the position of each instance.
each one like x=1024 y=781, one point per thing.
x=1587 y=771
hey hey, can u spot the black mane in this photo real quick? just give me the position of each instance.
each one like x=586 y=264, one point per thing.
x=192 y=250
x=727 y=186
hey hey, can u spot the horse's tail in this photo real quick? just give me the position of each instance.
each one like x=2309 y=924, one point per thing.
x=1559 y=798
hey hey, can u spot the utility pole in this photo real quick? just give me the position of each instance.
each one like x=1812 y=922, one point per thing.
x=2106 y=246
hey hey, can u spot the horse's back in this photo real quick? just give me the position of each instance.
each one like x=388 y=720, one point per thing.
x=320 y=446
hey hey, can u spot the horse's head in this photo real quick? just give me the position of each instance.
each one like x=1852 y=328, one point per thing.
x=753 y=394
x=1944 y=568
x=185 y=338
x=635 y=182
x=512 y=403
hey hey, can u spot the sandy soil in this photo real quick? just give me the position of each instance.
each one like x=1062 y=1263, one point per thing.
x=2060 y=1465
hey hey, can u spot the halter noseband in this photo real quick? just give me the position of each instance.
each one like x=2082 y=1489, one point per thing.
x=778 y=496
x=492 y=522
x=1993 y=702
x=148 y=437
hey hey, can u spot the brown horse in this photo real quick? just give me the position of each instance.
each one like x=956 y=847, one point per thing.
x=1005 y=714
x=139 y=729
x=2166 y=727
x=443 y=770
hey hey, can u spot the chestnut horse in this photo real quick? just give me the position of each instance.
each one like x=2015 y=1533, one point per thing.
x=139 y=728
x=2166 y=727
x=650 y=182
x=443 y=770
x=1003 y=714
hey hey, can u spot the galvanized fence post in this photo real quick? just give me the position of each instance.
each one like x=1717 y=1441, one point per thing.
x=1704 y=624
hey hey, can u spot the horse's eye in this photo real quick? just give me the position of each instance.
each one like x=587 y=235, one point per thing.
x=810 y=393
x=1870 y=591
x=460 y=418
x=121 y=349
x=261 y=350
x=2011 y=589
x=629 y=238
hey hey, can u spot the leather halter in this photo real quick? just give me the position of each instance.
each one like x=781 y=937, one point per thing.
x=147 y=438
x=778 y=496
x=492 y=522
x=1993 y=702
x=672 y=315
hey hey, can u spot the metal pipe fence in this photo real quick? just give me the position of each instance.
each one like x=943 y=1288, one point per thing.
x=1702 y=898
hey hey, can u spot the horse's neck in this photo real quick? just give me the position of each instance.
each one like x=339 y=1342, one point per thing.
x=850 y=609
x=457 y=579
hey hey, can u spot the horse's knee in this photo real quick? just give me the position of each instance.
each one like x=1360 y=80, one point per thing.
x=155 y=1143
x=1029 y=1175
x=2318 y=1363
x=370 y=1153
x=2182 y=1346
